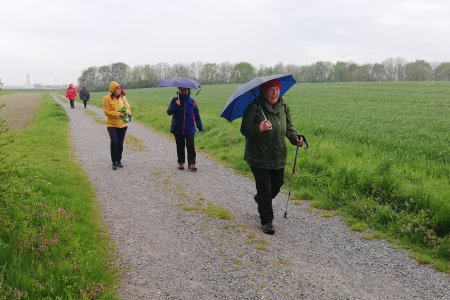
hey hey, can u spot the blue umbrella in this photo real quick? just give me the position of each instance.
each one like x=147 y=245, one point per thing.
x=246 y=93
x=179 y=82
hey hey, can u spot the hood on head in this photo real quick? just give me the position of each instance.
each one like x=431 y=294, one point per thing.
x=112 y=86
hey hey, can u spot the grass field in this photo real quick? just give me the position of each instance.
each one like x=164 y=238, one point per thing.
x=53 y=244
x=378 y=154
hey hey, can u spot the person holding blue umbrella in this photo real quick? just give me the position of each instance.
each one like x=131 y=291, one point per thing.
x=265 y=124
x=185 y=117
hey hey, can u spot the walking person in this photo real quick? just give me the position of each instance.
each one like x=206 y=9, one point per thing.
x=84 y=95
x=118 y=113
x=71 y=94
x=265 y=124
x=185 y=117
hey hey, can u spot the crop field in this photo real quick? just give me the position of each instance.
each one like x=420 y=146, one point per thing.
x=378 y=152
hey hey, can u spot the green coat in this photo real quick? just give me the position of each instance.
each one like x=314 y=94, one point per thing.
x=267 y=149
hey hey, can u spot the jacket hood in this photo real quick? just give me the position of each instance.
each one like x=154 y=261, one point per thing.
x=112 y=86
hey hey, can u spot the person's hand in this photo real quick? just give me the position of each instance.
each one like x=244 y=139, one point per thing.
x=178 y=102
x=265 y=126
x=201 y=131
x=299 y=141
x=120 y=114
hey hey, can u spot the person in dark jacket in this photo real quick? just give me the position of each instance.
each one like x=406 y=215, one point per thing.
x=185 y=117
x=84 y=95
x=265 y=124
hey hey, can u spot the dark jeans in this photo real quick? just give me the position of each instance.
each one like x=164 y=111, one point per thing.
x=117 y=136
x=268 y=185
x=185 y=140
x=72 y=103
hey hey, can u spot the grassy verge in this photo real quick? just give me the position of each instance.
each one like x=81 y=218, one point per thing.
x=53 y=244
x=379 y=153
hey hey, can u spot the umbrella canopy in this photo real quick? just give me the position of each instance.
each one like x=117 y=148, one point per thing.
x=179 y=82
x=246 y=93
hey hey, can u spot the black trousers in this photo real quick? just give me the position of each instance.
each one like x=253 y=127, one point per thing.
x=268 y=185
x=85 y=103
x=72 y=103
x=117 y=136
x=185 y=140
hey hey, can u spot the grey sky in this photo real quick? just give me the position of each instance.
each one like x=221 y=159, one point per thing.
x=54 y=40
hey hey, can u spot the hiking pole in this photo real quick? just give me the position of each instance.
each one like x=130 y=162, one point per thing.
x=292 y=181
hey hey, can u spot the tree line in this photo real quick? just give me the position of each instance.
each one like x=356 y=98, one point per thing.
x=143 y=76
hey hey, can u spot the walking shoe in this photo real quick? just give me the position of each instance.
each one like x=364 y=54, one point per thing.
x=192 y=167
x=119 y=164
x=268 y=228
x=114 y=166
x=180 y=166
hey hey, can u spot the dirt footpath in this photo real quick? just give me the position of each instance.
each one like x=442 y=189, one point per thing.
x=172 y=245
x=19 y=109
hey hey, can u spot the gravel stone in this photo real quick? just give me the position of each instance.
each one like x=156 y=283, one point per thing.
x=169 y=252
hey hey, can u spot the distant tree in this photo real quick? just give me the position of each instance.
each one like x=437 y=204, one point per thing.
x=394 y=68
x=163 y=70
x=89 y=78
x=209 y=73
x=363 y=73
x=225 y=72
x=136 y=77
x=307 y=73
x=279 y=68
x=149 y=75
x=323 y=71
x=442 y=71
x=195 y=69
x=243 y=72
x=181 y=70
x=294 y=70
x=120 y=73
x=339 y=72
x=419 y=70
x=378 y=72
x=104 y=77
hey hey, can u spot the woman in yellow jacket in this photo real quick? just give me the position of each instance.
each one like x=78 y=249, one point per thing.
x=118 y=113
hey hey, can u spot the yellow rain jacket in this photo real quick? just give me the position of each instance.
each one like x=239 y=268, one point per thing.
x=112 y=106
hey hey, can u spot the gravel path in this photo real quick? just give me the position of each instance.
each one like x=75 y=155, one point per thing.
x=171 y=249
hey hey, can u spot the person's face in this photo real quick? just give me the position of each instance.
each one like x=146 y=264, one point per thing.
x=183 y=91
x=117 y=91
x=272 y=94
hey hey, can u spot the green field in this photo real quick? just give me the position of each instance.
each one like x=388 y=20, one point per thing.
x=378 y=154
x=53 y=244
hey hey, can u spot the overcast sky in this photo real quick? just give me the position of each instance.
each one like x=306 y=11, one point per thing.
x=54 y=40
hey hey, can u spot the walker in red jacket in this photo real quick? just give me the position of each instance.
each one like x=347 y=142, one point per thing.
x=71 y=94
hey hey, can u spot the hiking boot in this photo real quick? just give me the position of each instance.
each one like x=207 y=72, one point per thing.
x=192 y=167
x=119 y=164
x=114 y=166
x=268 y=228
x=180 y=166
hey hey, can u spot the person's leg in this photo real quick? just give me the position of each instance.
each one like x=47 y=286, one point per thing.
x=190 y=146
x=263 y=194
x=72 y=104
x=180 y=141
x=277 y=179
x=113 y=145
x=121 y=137
x=85 y=103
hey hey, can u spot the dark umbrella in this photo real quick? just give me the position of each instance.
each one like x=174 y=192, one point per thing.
x=246 y=93
x=182 y=82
